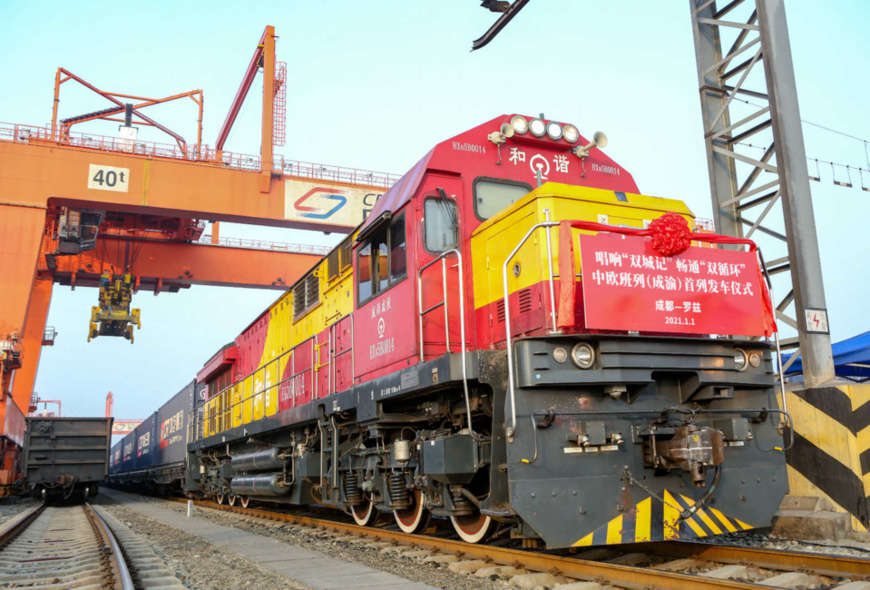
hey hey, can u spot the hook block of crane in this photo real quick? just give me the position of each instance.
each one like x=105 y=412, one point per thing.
x=124 y=215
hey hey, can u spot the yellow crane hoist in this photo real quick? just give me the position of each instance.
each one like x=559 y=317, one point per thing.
x=113 y=314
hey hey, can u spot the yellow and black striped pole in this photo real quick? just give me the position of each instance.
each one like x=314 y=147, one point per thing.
x=831 y=454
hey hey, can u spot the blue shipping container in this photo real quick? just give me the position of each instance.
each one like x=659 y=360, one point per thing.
x=146 y=443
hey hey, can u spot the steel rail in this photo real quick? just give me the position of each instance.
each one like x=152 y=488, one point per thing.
x=10 y=533
x=120 y=572
x=823 y=565
x=632 y=578
x=119 y=562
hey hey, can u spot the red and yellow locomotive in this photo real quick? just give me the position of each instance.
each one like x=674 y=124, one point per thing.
x=510 y=340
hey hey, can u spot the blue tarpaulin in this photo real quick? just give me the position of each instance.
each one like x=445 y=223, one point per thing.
x=851 y=359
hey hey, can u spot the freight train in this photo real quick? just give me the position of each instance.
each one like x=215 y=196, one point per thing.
x=515 y=340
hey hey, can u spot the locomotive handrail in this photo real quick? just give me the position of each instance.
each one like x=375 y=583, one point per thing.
x=512 y=429
x=781 y=372
x=550 y=267
x=421 y=312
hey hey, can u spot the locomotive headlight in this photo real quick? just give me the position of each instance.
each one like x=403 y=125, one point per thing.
x=583 y=355
x=560 y=355
x=537 y=127
x=754 y=359
x=554 y=131
x=520 y=124
x=740 y=361
x=570 y=133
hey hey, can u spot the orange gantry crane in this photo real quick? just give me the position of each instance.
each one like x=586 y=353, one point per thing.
x=124 y=215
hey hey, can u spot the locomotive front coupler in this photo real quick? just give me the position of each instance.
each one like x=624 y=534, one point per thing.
x=692 y=448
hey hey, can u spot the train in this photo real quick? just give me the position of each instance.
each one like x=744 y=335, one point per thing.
x=514 y=340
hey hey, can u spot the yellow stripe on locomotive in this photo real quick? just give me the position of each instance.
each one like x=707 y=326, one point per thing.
x=256 y=395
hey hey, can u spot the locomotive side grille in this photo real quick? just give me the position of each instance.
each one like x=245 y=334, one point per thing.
x=332 y=264
x=525 y=300
x=306 y=294
x=298 y=299
x=312 y=294
x=499 y=309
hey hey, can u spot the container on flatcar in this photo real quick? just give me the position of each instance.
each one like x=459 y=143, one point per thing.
x=171 y=425
x=66 y=457
x=173 y=418
x=128 y=452
x=115 y=458
x=146 y=444
x=154 y=455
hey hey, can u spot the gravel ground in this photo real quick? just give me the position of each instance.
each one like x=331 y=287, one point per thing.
x=199 y=564
x=427 y=573
x=9 y=507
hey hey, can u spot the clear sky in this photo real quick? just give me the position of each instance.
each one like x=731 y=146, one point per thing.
x=375 y=85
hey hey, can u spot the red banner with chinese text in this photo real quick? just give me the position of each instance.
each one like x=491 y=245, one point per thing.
x=629 y=286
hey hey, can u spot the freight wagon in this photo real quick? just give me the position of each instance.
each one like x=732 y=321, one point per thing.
x=66 y=458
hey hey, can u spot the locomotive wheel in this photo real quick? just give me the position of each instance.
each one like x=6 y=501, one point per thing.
x=365 y=515
x=231 y=499
x=415 y=518
x=244 y=500
x=220 y=499
x=473 y=528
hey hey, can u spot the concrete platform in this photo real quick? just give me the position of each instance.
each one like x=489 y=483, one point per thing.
x=302 y=565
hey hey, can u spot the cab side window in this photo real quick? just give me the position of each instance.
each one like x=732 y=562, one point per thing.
x=398 y=252
x=441 y=224
x=364 y=276
x=382 y=259
x=492 y=195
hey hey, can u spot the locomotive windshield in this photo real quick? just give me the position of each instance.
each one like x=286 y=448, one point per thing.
x=491 y=195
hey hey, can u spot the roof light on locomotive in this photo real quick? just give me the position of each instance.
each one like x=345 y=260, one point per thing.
x=538 y=127
x=570 y=134
x=520 y=124
x=552 y=130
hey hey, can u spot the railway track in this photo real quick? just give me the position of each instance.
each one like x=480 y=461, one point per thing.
x=69 y=547
x=80 y=547
x=674 y=565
